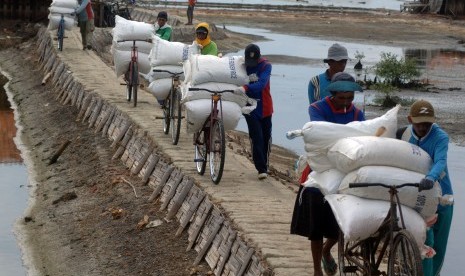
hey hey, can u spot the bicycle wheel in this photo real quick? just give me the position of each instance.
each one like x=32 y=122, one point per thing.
x=404 y=256
x=175 y=116
x=135 y=81
x=167 y=113
x=200 y=143
x=217 y=151
x=128 y=78
x=351 y=258
x=61 y=35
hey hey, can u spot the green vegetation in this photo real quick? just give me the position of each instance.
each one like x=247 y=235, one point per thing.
x=395 y=73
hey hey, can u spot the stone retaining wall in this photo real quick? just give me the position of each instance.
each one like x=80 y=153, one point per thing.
x=210 y=232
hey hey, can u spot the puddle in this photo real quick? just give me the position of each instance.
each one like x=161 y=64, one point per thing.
x=13 y=188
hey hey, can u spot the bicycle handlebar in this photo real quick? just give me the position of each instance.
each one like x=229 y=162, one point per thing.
x=421 y=187
x=134 y=40
x=211 y=91
x=175 y=74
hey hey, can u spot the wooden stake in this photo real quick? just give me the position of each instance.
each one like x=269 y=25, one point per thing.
x=62 y=148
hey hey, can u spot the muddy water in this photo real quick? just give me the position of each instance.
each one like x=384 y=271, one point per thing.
x=13 y=189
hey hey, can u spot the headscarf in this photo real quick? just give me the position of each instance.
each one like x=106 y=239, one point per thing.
x=207 y=40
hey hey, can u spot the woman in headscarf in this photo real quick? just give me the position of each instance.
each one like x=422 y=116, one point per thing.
x=202 y=37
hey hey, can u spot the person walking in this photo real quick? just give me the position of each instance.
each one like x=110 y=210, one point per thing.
x=425 y=133
x=162 y=29
x=336 y=60
x=312 y=216
x=259 y=120
x=190 y=11
x=85 y=22
x=202 y=38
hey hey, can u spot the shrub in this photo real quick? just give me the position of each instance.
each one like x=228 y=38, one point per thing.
x=397 y=72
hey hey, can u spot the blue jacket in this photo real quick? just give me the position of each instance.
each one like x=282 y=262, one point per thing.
x=260 y=90
x=317 y=87
x=436 y=144
x=324 y=110
x=81 y=11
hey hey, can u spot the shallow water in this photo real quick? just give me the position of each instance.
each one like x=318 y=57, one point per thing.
x=13 y=191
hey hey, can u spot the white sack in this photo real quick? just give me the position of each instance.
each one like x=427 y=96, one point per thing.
x=71 y=4
x=131 y=30
x=197 y=112
x=57 y=10
x=208 y=68
x=121 y=60
x=352 y=153
x=424 y=202
x=142 y=46
x=54 y=21
x=327 y=182
x=165 y=52
x=160 y=88
x=320 y=136
x=359 y=218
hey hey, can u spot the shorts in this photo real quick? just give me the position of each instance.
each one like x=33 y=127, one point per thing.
x=312 y=216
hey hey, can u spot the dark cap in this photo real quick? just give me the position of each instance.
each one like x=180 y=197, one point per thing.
x=252 y=54
x=422 y=111
x=162 y=14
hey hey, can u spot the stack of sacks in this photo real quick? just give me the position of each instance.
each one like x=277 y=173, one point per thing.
x=389 y=161
x=59 y=7
x=343 y=154
x=320 y=136
x=166 y=55
x=216 y=74
x=131 y=30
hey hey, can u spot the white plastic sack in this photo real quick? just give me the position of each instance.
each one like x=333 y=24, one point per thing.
x=165 y=52
x=70 y=4
x=359 y=218
x=121 y=60
x=352 y=153
x=197 y=112
x=61 y=10
x=208 y=68
x=142 y=46
x=188 y=95
x=160 y=88
x=131 y=30
x=327 y=182
x=320 y=136
x=424 y=202
x=54 y=21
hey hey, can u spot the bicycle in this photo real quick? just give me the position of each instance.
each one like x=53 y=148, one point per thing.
x=131 y=77
x=365 y=257
x=61 y=31
x=210 y=139
x=172 y=107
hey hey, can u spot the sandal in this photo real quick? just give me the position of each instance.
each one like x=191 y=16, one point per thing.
x=329 y=266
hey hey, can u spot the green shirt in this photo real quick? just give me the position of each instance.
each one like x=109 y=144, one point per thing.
x=210 y=49
x=164 y=32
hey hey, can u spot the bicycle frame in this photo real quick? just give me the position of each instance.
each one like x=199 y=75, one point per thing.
x=366 y=255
